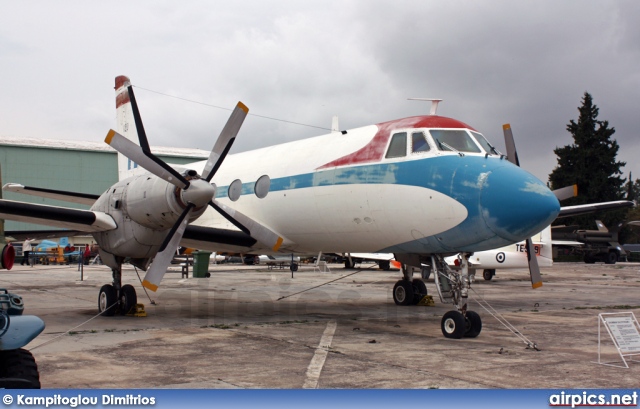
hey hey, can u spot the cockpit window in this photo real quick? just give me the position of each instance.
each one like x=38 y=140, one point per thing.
x=398 y=146
x=484 y=143
x=419 y=143
x=454 y=140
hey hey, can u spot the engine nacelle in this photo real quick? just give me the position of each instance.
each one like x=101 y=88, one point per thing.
x=144 y=208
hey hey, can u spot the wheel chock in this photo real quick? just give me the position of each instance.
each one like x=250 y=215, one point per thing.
x=138 y=311
x=427 y=301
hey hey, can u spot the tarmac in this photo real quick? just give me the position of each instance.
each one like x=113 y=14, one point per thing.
x=252 y=327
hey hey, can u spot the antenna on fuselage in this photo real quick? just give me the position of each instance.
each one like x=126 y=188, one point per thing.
x=434 y=103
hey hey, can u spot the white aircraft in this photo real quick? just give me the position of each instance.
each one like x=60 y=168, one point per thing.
x=511 y=256
x=422 y=187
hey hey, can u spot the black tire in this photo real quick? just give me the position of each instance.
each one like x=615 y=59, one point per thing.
x=384 y=265
x=128 y=299
x=106 y=298
x=349 y=264
x=589 y=259
x=403 y=293
x=419 y=290
x=473 y=324
x=19 y=370
x=453 y=325
x=488 y=274
x=611 y=258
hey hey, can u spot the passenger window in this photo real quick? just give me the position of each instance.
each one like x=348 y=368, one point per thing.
x=398 y=146
x=419 y=143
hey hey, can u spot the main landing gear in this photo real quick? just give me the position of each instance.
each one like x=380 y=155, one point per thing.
x=117 y=298
x=453 y=287
x=408 y=291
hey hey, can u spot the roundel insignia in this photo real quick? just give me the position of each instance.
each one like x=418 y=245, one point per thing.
x=500 y=257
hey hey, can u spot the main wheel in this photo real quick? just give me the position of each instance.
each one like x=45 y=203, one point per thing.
x=611 y=258
x=128 y=299
x=18 y=370
x=488 y=274
x=473 y=324
x=106 y=299
x=349 y=264
x=403 y=292
x=419 y=290
x=453 y=325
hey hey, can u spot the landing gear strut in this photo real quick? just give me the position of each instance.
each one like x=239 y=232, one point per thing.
x=116 y=298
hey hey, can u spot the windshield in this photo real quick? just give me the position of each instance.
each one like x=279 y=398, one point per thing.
x=484 y=143
x=454 y=140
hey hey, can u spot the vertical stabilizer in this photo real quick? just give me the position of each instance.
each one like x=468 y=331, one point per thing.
x=546 y=252
x=125 y=125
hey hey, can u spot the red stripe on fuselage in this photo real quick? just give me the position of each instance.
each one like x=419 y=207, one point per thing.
x=374 y=150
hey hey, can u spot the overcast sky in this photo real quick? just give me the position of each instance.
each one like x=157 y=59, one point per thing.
x=523 y=62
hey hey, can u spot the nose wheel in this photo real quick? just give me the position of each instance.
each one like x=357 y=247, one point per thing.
x=455 y=325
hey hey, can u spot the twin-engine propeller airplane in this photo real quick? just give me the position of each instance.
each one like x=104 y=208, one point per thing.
x=422 y=187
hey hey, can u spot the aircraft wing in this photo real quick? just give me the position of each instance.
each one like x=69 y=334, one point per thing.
x=372 y=256
x=21 y=235
x=567 y=243
x=56 y=216
x=568 y=211
x=72 y=197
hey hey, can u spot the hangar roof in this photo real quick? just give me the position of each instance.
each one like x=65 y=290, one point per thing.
x=96 y=146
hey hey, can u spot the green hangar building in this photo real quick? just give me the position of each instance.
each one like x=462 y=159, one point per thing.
x=77 y=166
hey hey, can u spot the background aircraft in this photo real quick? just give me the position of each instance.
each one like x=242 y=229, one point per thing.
x=421 y=187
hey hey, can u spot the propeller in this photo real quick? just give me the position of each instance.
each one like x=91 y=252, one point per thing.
x=512 y=156
x=196 y=192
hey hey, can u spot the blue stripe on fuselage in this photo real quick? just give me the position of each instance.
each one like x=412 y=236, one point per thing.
x=460 y=178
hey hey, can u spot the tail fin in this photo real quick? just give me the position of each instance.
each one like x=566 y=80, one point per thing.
x=125 y=125
x=546 y=251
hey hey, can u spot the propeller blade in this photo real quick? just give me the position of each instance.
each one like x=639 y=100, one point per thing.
x=512 y=156
x=142 y=135
x=566 y=192
x=256 y=230
x=147 y=160
x=224 y=141
x=167 y=250
x=534 y=269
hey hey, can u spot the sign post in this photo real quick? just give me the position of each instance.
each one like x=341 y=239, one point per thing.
x=623 y=329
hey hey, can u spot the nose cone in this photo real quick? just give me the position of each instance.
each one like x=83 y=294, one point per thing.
x=515 y=204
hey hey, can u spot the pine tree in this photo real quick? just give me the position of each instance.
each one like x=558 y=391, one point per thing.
x=590 y=162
